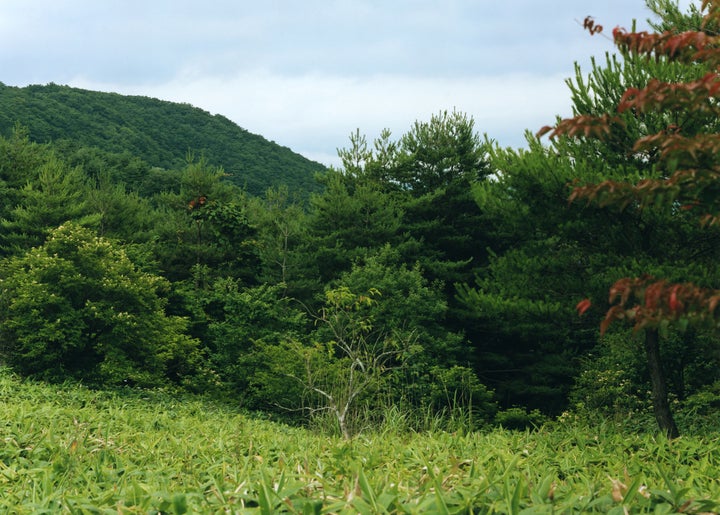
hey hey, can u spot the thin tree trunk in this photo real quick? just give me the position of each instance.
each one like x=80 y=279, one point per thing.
x=661 y=406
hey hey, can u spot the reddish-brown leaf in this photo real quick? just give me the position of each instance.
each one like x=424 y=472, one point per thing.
x=713 y=303
x=673 y=302
x=583 y=306
x=652 y=295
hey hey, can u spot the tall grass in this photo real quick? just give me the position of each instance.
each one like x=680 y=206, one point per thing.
x=66 y=449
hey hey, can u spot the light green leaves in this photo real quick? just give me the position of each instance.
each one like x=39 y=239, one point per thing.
x=77 y=307
x=73 y=450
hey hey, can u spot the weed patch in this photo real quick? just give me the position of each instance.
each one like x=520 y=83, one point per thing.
x=68 y=449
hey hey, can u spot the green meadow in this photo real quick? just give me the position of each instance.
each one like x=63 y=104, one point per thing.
x=69 y=449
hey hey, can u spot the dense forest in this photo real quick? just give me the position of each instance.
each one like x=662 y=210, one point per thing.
x=434 y=272
x=150 y=133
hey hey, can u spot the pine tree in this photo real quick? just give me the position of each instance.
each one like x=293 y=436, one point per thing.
x=684 y=157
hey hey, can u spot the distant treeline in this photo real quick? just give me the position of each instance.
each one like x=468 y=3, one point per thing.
x=156 y=132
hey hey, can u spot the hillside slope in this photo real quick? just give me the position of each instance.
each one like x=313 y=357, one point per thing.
x=158 y=132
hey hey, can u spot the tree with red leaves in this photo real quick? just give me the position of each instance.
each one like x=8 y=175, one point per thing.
x=687 y=156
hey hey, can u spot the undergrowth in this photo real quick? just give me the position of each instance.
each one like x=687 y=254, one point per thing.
x=67 y=449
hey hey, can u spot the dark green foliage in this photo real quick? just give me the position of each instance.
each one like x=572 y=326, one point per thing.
x=77 y=307
x=456 y=392
x=156 y=132
x=19 y=161
x=447 y=235
x=205 y=224
x=401 y=218
x=431 y=279
x=345 y=367
x=698 y=412
x=244 y=330
x=283 y=243
x=429 y=157
x=520 y=419
x=428 y=173
x=123 y=167
x=614 y=382
x=520 y=317
x=407 y=303
x=118 y=213
x=54 y=194
x=434 y=376
x=225 y=240
x=349 y=220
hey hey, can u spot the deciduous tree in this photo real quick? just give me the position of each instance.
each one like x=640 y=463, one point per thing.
x=686 y=177
x=348 y=359
x=77 y=307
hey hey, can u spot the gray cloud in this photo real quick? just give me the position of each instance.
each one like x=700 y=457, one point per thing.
x=307 y=73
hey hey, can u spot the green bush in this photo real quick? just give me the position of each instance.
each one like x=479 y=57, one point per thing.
x=612 y=383
x=458 y=393
x=77 y=307
x=244 y=331
x=520 y=418
x=697 y=414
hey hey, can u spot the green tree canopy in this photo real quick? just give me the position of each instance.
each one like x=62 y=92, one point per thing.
x=77 y=307
x=668 y=123
x=156 y=132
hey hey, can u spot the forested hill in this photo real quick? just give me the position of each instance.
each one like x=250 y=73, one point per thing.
x=160 y=133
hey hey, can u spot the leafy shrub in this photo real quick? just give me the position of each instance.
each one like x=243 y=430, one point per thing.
x=520 y=418
x=457 y=392
x=704 y=402
x=77 y=307
x=611 y=383
x=244 y=330
x=698 y=413
x=614 y=384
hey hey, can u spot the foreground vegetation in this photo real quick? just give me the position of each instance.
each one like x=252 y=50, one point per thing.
x=68 y=449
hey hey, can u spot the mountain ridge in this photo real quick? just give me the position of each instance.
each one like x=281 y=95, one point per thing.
x=159 y=132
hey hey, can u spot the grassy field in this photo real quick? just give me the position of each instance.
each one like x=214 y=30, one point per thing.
x=66 y=449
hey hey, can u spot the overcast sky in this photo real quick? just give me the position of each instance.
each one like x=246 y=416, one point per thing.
x=307 y=73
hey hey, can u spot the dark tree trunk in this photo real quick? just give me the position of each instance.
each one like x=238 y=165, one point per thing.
x=661 y=406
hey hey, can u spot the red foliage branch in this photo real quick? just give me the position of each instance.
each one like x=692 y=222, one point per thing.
x=583 y=125
x=701 y=95
x=694 y=180
x=590 y=25
x=669 y=146
x=687 y=47
x=685 y=189
x=698 y=95
x=649 y=302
